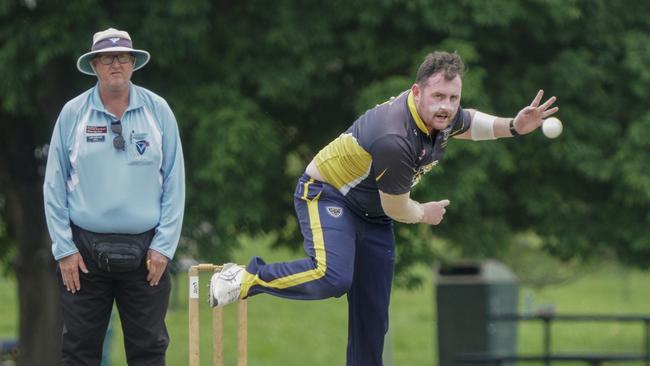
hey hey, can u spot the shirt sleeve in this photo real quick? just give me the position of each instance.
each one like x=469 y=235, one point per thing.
x=55 y=193
x=461 y=122
x=168 y=231
x=392 y=164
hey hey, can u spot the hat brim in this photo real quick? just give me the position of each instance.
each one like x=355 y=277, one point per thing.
x=141 y=58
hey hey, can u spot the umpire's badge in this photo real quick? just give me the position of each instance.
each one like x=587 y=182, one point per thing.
x=334 y=211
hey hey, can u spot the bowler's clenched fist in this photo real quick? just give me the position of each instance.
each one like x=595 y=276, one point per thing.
x=434 y=211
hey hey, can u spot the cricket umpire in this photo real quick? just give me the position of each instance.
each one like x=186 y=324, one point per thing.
x=114 y=197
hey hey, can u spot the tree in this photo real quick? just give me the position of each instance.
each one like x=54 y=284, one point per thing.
x=259 y=87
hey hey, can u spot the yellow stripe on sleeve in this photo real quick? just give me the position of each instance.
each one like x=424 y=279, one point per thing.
x=343 y=163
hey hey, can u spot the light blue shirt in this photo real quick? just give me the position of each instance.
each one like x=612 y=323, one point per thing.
x=102 y=189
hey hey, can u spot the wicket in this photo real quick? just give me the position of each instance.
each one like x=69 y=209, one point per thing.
x=217 y=322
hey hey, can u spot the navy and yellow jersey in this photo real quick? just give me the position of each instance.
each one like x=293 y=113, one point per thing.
x=388 y=148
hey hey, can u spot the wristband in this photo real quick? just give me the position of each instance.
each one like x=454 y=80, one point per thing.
x=513 y=131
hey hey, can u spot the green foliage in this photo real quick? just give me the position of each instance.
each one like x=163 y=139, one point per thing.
x=233 y=159
x=260 y=87
x=381 y=91
x=535 y=268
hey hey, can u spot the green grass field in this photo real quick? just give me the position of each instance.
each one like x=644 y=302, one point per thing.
x=288 y=333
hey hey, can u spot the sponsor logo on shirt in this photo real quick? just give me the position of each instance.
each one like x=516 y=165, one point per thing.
x=421 y=171
x=445 y=137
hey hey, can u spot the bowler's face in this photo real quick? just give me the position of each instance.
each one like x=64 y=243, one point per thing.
x=437 y=100
x=115 y=75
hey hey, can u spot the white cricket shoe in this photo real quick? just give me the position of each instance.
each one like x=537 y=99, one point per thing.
x=225 y=286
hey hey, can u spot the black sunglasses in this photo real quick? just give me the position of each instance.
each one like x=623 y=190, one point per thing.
x=118 y=141
x=122 y=58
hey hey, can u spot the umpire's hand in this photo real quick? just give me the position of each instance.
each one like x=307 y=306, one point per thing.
x=70 y=267
x=156 y=264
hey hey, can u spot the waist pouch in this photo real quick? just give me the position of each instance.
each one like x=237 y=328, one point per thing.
x=114 y=252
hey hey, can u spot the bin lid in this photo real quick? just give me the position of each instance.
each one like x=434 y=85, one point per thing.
x=475 y=272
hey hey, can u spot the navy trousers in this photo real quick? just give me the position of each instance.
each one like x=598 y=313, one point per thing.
x=346 y=254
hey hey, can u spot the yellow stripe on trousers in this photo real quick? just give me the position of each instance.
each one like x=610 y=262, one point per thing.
x=301 y=277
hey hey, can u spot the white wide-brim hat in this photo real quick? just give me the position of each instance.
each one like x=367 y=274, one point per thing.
x=111 y=40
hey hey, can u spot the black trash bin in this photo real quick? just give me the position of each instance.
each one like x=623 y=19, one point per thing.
x=467 y=295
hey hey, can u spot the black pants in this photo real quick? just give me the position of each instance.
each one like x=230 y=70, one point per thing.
x=142 y=310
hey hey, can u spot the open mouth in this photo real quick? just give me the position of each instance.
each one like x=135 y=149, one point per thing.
x=439 y=113
x=441 y=116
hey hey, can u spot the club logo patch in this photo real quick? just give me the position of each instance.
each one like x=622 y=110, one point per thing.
x=334 y=211
x=141 y=146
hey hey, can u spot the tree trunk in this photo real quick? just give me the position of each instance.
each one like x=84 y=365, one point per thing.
x=38 y=294
x=21 y=182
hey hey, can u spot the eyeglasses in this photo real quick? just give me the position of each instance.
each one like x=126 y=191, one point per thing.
x=122 y=58
x=118 y=141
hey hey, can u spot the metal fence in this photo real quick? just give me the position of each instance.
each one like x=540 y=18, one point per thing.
x=548 y=356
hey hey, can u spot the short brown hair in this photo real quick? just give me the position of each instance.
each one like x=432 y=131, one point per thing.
x=450 y=64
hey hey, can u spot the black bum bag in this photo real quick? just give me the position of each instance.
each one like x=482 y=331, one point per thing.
x=114 y=252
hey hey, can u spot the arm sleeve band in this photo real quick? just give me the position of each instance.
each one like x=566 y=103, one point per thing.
x=401 y=208
x=482 y=127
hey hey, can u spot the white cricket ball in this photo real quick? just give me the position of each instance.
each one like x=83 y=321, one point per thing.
x=552 y=127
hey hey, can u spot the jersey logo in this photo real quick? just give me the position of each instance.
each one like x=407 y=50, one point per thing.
x=381 y=175
x=422 y=154
x=334 y=211
x=141 y=146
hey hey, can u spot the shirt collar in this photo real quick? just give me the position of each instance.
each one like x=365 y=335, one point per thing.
x=135 y=101
x=414 y=112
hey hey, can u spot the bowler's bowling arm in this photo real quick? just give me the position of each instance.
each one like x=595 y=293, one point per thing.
x=486 y=127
